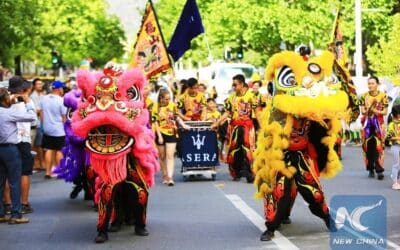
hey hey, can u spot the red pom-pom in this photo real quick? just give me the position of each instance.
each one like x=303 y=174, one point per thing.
x=91 y=99
x=117 y=96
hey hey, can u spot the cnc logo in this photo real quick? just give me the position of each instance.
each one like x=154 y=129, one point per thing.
x=358 y=222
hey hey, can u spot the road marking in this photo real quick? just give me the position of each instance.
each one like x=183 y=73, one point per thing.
x=281 y=241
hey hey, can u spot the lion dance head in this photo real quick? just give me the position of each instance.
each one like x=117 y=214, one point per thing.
x=112 y=118
x=299 y=89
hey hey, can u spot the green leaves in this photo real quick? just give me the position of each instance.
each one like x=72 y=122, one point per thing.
x=77 y=29
x=384 y=56
x=261 y=27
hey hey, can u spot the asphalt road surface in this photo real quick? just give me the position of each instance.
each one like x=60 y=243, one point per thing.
x=196 y=214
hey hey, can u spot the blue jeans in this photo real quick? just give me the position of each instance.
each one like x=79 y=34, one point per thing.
x=10 y=168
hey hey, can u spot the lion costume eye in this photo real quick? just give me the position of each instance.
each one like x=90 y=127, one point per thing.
x=286 y=78
x=314 y=68
x=133 y=94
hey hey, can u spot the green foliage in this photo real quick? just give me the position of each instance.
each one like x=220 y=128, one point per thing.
x=385 y=55
x=77 y=29
x=262 y=26
x=15 y=27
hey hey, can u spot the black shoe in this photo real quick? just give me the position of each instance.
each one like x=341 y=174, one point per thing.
x=250 y=179
x=371 y=174
x=75 y=192
x=7 y=209
x=115 y=228
x=236 y=179
x=47 y=177
x=26 y=209
x=266 y=236
x=87 y=196
x=141 y=231
x=130 y=221
x=101 y=237
x=287 y=221
x=380 y=176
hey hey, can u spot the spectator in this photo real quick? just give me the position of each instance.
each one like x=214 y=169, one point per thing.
x=19 y=86
x=52 y=114
x=394 y=136
x=10 y=159
x=37 y=133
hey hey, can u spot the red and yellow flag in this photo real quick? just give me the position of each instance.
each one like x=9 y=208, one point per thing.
x=336 y=45
x=149 y=51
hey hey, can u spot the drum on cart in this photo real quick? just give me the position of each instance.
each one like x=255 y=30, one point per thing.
x=198 y=150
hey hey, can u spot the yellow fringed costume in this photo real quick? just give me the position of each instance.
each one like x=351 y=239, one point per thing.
x=299 y=128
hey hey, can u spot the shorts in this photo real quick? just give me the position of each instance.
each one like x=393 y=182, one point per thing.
x=38 y=138
x=167 y=139
x=26 y=158
x=33 y=134
x=53 y=142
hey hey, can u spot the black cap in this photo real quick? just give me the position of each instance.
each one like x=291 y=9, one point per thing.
x=17 y=83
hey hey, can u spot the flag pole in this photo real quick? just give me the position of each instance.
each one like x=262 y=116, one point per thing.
x=162 y=36
x=210 y=56
x=335 y=23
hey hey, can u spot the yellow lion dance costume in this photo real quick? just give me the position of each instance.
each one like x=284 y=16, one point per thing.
x=298 y=133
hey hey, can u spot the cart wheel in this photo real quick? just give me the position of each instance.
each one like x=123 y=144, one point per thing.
x=213 y=177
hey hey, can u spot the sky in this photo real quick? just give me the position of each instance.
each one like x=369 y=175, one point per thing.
x=129 y=12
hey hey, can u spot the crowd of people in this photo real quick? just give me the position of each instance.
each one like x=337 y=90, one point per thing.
x=32 y=127
x=191 y=102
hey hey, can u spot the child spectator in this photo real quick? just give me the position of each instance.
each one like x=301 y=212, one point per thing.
x=393 y=135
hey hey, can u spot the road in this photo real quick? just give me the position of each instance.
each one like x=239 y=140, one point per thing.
x=198 y=214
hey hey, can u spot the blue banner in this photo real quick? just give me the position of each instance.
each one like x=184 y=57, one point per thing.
x=199 y=148
x=189 y=26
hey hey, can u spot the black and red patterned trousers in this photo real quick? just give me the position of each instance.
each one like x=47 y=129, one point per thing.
x=278 y=204
x=128 y=198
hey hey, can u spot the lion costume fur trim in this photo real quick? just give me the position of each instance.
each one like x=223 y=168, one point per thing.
x=273 y=137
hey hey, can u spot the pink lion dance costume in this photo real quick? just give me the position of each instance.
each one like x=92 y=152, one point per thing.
x=112 y=119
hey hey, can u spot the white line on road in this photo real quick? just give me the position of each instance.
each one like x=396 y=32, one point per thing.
x=281 y=241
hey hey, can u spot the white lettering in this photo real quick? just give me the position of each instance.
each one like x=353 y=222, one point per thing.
x=197 y=157
x=205 y=157
x=342 y=241
x=370 y=241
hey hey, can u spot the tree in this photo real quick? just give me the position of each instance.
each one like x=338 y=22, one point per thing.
x=15 y=27
x=77 y=29
x=263 y=26
x=385 y=55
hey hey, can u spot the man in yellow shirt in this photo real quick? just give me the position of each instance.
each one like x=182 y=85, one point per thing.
x=240 y=106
